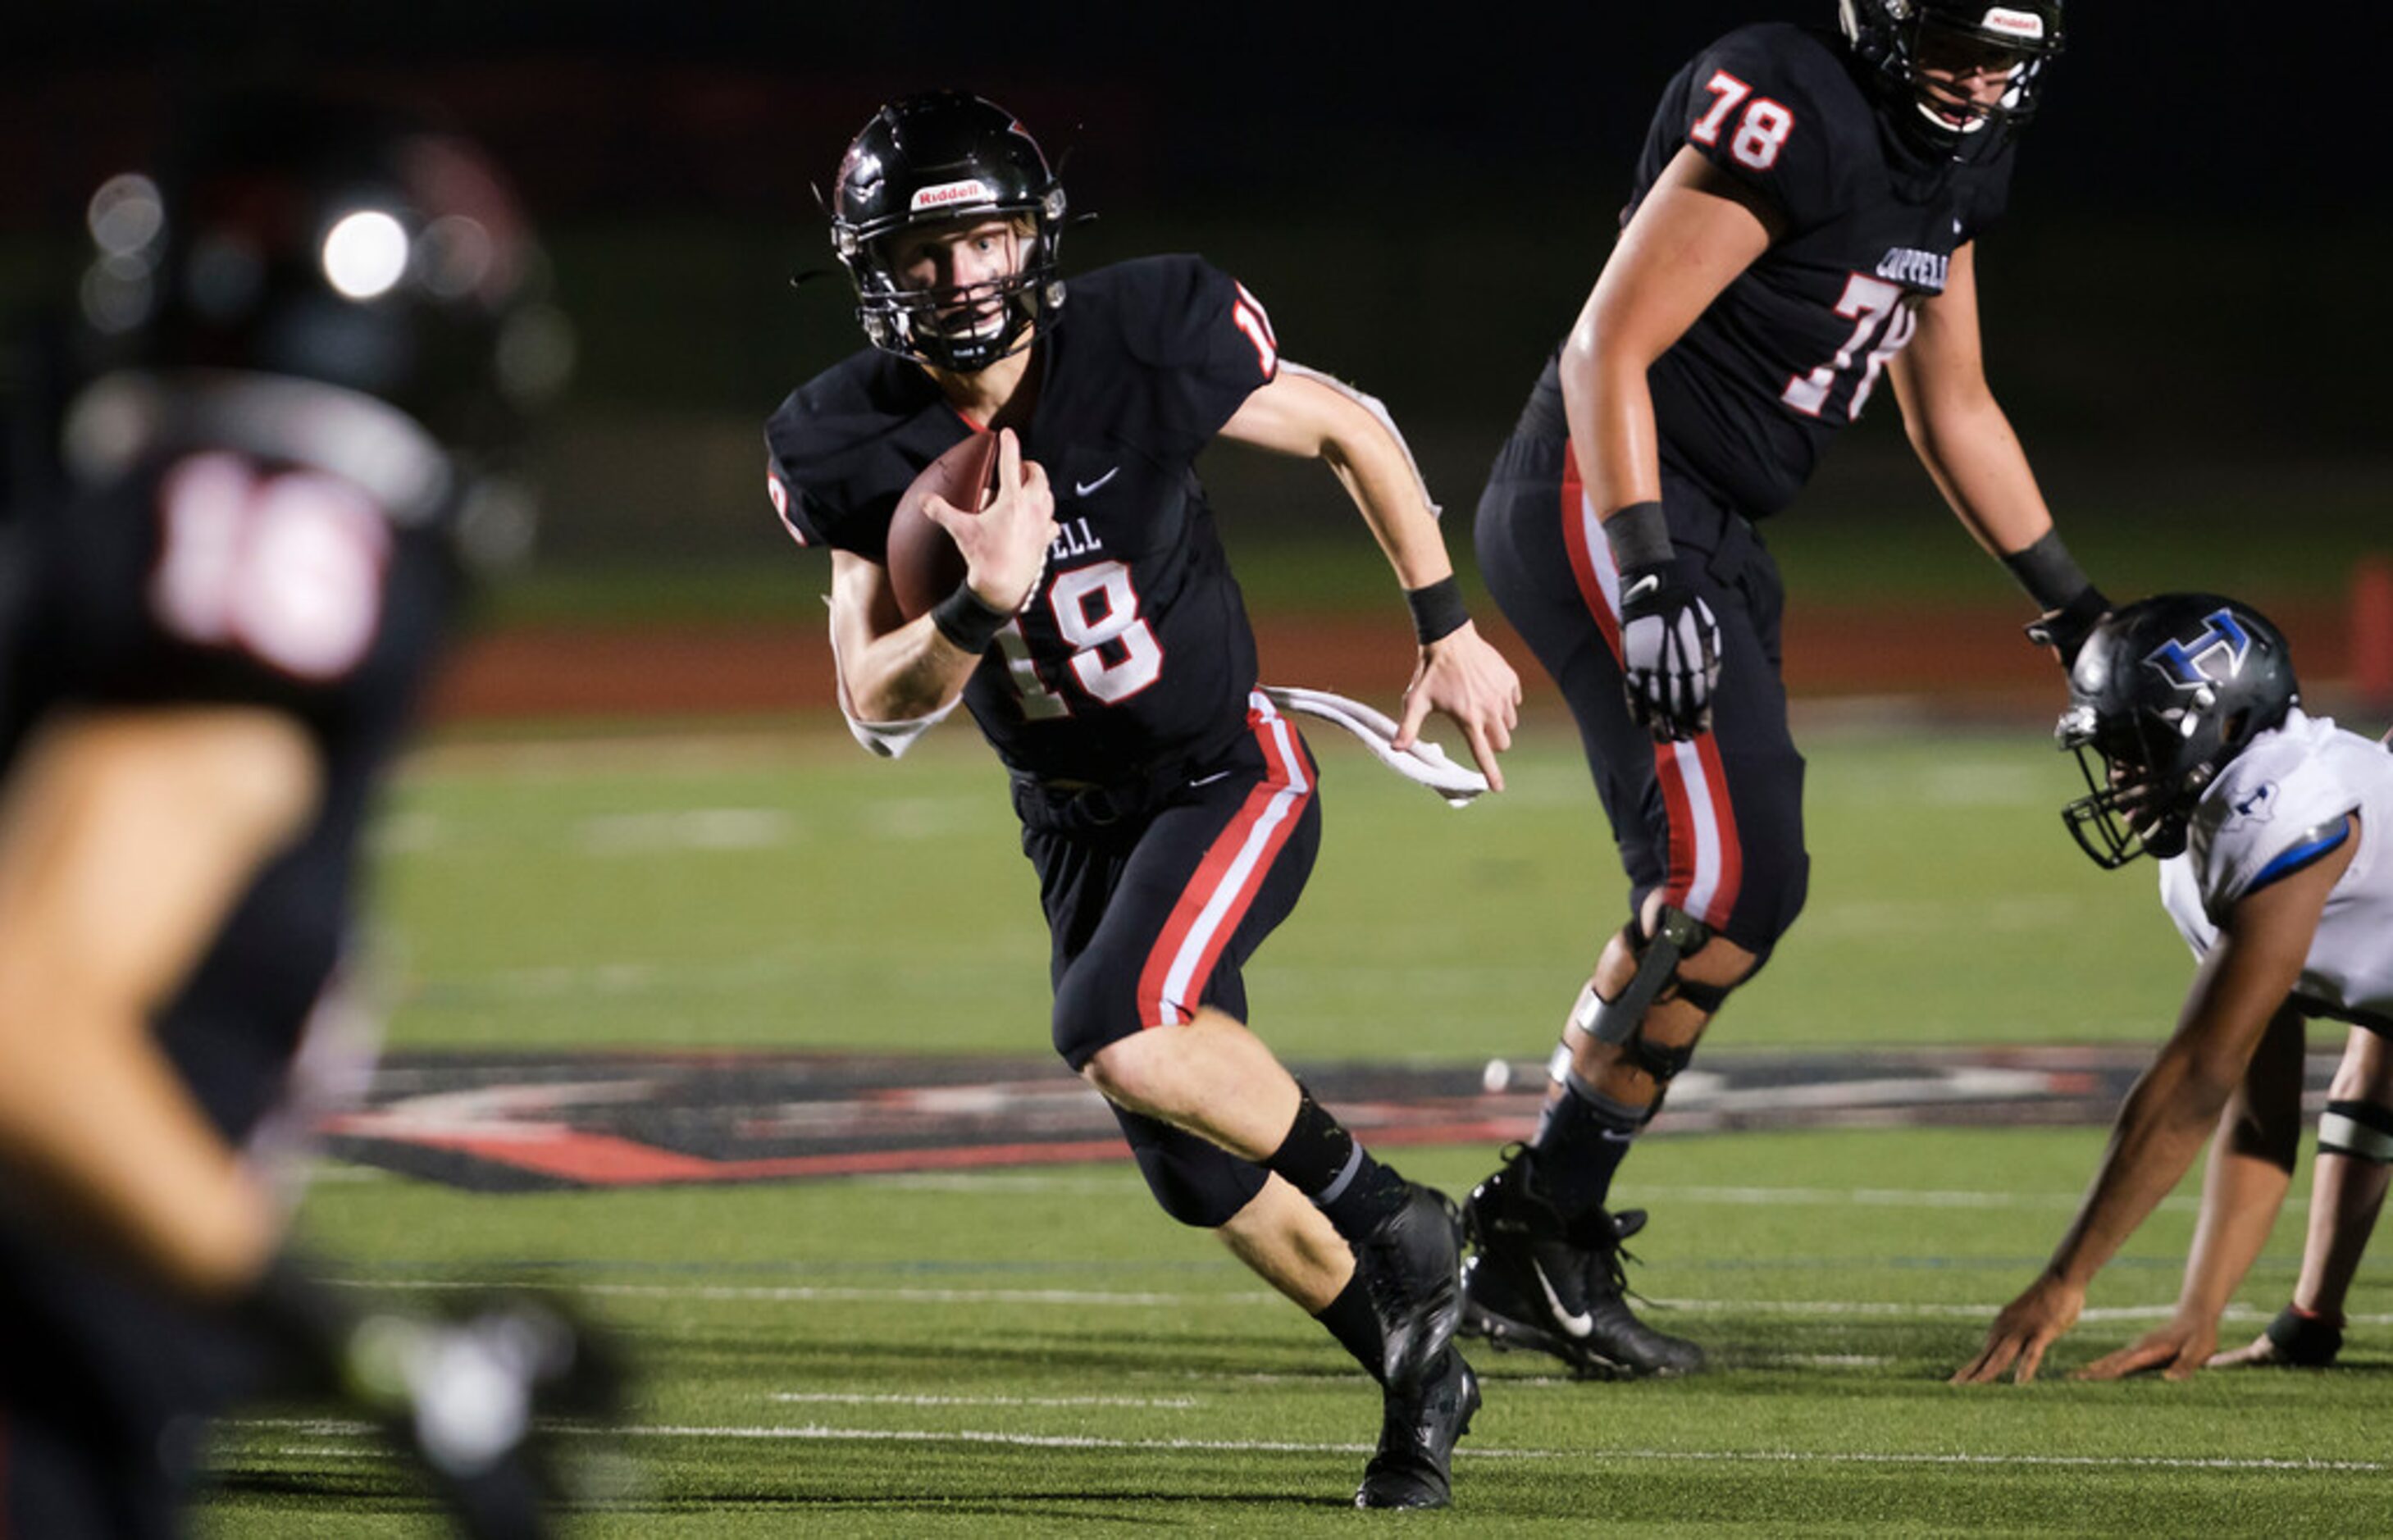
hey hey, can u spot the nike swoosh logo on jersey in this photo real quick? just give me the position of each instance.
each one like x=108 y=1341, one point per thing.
x=1577 y=1325
x=1082 y=489
x=1208 y=780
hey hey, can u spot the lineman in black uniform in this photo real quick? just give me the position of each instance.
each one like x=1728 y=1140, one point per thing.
x=1102 y=647
x=208 y=650
x=1802 y=230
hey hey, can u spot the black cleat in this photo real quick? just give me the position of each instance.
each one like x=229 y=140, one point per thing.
x=1411 y=1267
x=1558 y=1288
x=1416 y=1438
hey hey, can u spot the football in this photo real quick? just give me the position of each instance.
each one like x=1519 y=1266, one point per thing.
x=924 y=565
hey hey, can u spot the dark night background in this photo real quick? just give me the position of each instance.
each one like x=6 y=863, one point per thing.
x=2184 y=309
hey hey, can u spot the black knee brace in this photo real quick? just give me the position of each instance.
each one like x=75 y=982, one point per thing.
x=1662 y=1064
x=1621 y=1022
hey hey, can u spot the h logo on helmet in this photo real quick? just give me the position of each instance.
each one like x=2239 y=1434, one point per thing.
x=2191 y=664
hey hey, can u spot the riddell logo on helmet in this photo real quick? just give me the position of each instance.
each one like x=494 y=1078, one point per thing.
x=2013 y=24
x=946 y=193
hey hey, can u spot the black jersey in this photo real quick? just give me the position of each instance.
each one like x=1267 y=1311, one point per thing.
x=215 y=578
x=1797 y=344
x=1136 y=650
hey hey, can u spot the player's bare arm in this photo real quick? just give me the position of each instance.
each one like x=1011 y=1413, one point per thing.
x=1458 y=673
x=1692 y=235
x=895 y=670
x=1697 y=231
x=2252 y=1157
x=1957 y=428
x=2241 y=988
x=125 y=839
x=1966 y=442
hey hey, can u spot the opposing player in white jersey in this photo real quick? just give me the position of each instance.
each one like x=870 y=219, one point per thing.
x=2269 y=824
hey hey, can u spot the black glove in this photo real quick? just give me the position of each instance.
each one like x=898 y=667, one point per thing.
x=2064 y=629
x=464 y=1392
x=1670 y=651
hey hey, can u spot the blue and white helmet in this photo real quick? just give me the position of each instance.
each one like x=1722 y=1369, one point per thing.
x=2163 y=696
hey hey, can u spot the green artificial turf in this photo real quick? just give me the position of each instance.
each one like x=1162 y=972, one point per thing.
x=785 y=890
x=1039 y=1352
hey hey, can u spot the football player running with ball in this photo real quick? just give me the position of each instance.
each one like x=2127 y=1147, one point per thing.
x=1101 y=644
x=2268 y=825
x=1802 y=232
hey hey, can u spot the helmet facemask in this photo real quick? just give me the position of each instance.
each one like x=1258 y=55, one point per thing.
x=2162 y=698
x=2130 y=809
x=961 y=328
x=1923 y=50
x=1943 y=58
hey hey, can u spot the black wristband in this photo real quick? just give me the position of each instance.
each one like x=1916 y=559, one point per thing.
x=968 y=620
x=1639 y=535
x=2048 y=572
x=1438 y=610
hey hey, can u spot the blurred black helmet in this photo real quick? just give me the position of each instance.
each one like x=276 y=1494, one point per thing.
x=1902 y=39
x=2163 y=696
x=947 y=157
x=293 y=239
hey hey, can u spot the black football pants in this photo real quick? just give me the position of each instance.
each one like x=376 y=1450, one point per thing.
x=1715 y=823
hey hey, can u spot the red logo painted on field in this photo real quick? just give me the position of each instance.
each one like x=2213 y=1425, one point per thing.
x=523 y=1122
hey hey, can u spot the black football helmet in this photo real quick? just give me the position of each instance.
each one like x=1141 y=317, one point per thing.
x=2163 y=696
x=938 y=158
x=1902 y=39
x=292 y=244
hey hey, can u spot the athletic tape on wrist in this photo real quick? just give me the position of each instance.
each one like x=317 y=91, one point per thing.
x=2048 y=572
x=1437 y=610
x=968 y=620
x=1639 y=535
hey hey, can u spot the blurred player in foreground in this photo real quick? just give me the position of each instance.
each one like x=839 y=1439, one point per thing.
x=1803 y=228
x=2270 y=826
x=1103 y=647
x=300 y=343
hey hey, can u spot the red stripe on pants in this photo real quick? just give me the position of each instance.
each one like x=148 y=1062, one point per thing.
x=1216 y=874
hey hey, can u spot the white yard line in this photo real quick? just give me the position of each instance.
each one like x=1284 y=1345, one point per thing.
x=1747 y=1197
x=815 y=1432
x=836 y=1397
x=1154 y=1300
x=1128 y=1299
x=1896 y=1309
